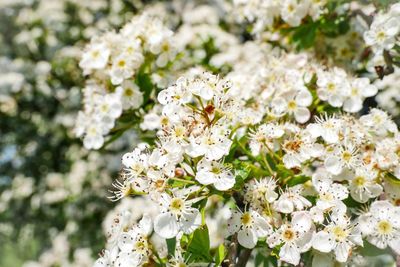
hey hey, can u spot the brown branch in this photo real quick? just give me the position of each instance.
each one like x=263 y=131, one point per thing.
x=232 y=251
x=243 y=258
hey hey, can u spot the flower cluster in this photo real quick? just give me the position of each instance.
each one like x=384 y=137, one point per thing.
x=113 y=63
x=214 y=141
x=384 y=30
x=264 y=13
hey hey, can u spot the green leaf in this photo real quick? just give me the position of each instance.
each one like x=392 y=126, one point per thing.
x=283 y=172
x=199 y=245
x=304 y=36
x=220 y=255
x=299 y=179
x=370 y=250
x=392 y=179
x=265 y=261
x=143 y=80
x=171 y=245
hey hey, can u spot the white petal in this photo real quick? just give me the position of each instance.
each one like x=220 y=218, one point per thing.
x=190 y=220
x=302 y=115
x=332 y=164
x=205 y=177
x=224 y=182
x=290 y=254
x=165 y=225
x=234 y=222
x=125 y=242
x=395 y=245
x=261 y=226
x=301 y=221
x=146 y=224
x=323 y=241
x=342 y=251
x=304 y=98
x=284 y=206
x=247 y=238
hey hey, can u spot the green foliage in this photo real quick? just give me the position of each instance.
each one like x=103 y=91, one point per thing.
x=198 y=249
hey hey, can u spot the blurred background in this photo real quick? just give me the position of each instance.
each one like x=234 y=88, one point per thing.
x=52 y=191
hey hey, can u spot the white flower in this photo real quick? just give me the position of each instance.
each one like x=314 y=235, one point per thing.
x=333 y=86
x=293 y=102
x=107 y=109
x=260 y=191
x=293 y=11
x=208 y=86
x=339 y=236
x=379 y=122
x=250 y=226
x=381 y=225
x=291 y=200
x=176 y=94
x=96 y=57
x=300 y=148
x=176 y=216
x=340 y=157
x=265 y=137
x=93 y=138
x=328 y=127
x=382 y=32
x=360 y=89
x=214 y=172
x=135 y=162
x=296 y=237
x=214 y=143
x=134 y=245
x=364 y=186
x=122 y=68
x=329 y=193
x=131 y=96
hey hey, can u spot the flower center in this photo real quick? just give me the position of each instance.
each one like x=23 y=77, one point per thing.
x=95 y=54
x=354 y=91
x=128 y=92
x=141 y=245
x=292 y=105
x=121 y=63
x=381 y=36
x=359 y=181
x=384 y=227
x=216 y=170
x=159 y=184
x=288 y=234
x=164 y=121
x=176 y=205
x=293 y=145
x=179 y=132
x=346 y=156
x=104 y=108
x=331 y=87
x=339 y=233
x=136 y=167
x=246 y=219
